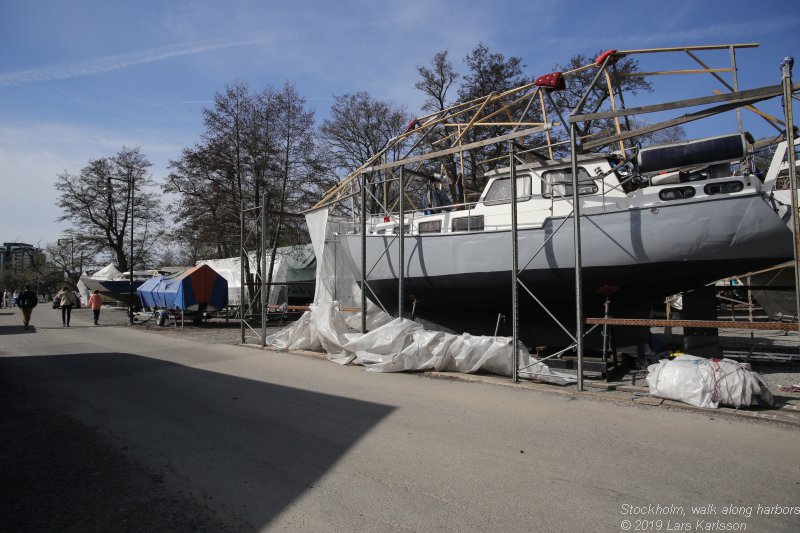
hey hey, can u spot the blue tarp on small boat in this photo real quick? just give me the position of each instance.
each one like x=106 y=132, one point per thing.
x=197 y=288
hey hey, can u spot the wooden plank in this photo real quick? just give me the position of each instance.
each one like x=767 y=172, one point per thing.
x=737 y=97
x=448 y=151
x=684 y=48
x=720 y=324
x=772 y=121
x=684 y=119
x=649 y=400
x=668 y=72
x=499 y=124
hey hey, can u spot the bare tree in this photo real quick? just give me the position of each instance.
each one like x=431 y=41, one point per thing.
x=622 y=80
x=360 y=127
x=296 y=159
x=206 y=210
x=436 y=81
x=97 y=203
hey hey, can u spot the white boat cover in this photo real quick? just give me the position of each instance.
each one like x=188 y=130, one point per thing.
x=707 y=382
x=404 y=345
x=230 y=269
x=82 y=290
x=107 y=272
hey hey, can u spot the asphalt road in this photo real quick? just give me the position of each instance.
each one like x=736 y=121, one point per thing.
x=283 y=442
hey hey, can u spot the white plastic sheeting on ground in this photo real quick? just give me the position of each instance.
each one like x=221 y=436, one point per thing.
x=403 y=345
x=707 y=383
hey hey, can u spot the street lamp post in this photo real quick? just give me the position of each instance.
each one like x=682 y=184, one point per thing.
x=131 y=182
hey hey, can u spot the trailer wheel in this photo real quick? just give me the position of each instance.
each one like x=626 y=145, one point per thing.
x=160 y=319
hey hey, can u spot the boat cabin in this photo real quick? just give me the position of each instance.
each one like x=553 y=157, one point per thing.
x=681 y=172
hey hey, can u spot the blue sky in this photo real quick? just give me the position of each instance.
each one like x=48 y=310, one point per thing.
x=80 y=79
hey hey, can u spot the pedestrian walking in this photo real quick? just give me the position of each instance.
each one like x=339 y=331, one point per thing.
x=67 y=300
x=6 y=298
x=96 y=303
x=26 y=301
x=16 y=297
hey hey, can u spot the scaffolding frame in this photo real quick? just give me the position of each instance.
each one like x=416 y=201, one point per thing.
x=257 y=233
x=520 y=100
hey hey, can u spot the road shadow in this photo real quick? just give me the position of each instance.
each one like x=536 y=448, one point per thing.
x=16 y=329
x=233 y=443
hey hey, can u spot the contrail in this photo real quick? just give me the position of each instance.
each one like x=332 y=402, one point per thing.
x=115 y=62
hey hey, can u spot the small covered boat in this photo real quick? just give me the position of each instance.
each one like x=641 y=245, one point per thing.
x=196 y=290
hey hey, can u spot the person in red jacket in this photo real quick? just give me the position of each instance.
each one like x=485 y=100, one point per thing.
x=96 y=303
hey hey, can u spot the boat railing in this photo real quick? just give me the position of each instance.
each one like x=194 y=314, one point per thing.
x=376 y=220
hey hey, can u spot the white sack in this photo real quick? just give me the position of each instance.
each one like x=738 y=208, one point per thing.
x=707 y=383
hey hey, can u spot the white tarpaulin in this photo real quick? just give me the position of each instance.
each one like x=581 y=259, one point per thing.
x=230 y=269
x=391 y=345
x=707 y=383
x=402 y=345
x=107 y=272
x=83 y=290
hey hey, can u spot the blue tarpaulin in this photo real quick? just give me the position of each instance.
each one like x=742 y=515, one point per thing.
x=198 y=288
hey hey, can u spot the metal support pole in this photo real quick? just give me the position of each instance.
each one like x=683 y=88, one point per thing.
x=363 y=253
x=264 y=301
x=130 y=281
x=576 y=214
x=514 y=267
x=786 y=71
x=402 y=247
x=242 y=259
x=606 y=309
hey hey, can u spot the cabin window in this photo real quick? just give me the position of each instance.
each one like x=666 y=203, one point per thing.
x=500 y=190
x=468 y=223
x=676 y=193
x=396 y=230
x=381 y=231
x=558 y=183
x=723 y=188
x=430 y=226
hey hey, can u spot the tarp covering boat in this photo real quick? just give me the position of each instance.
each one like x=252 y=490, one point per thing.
x=107 y=272
x=111 y=283
x=197 y=288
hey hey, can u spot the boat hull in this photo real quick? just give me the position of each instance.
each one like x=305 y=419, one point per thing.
x=462 y=281
x=115 y=289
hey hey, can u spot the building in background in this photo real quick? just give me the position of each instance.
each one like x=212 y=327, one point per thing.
x=16 y=258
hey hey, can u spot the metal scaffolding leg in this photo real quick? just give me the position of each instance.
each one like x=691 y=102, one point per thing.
x=578 y=274
x=786 y=71
x=402 y=250
x=364 y=253
x=242 y=257
x=264 y=295
x=514 y=268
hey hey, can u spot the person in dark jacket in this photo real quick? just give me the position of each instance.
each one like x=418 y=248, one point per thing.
x=26 y=301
